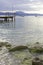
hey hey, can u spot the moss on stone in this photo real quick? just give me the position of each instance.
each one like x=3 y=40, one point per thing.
x=18 y=48
x=36 y=48
x=6 y=44
x=27 y=62
x=3 y=43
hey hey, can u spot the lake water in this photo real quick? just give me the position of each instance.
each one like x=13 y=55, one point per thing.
x=23 y=30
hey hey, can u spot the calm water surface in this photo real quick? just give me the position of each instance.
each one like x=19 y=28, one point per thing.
x=23 y=30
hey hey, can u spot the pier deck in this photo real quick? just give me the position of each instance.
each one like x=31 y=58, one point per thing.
x=6 y=16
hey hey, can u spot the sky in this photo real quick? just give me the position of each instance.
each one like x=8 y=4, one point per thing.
x=26 y=5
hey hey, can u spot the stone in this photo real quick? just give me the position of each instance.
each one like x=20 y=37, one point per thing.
x=36 y=61
x=18 y=48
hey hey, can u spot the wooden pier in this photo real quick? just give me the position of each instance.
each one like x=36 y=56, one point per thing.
x=7 y=18
x=4 y=15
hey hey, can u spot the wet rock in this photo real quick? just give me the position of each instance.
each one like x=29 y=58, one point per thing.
x=25 y=59
x=37 y=61
x=37 y=42
x=36 y=48
x=41 y=62
x=5 y=44
x=18 y=48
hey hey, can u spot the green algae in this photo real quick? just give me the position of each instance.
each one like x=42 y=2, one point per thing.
x=24 y=56
x=6 y=44
x=18 y=48
x=36 y=48
x=12 y=48
x=23 y=53
x=27 y=62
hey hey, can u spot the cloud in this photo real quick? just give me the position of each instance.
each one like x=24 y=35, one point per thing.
x=30 y=5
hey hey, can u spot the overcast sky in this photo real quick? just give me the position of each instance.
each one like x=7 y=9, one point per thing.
x=29 y=5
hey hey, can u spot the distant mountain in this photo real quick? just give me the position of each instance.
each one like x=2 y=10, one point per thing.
x=20 y=13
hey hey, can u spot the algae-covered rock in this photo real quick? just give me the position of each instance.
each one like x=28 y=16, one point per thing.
x=6 y=44
x=11 y=47
x=18 y=48
x=36 y=48
x=24 y=56
x=3 y=43
x=27 y=62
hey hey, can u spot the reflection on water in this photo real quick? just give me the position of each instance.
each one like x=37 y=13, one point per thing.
x=23 y=30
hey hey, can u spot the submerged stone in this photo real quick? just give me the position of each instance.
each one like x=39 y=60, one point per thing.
x=37 y=61
x=6 y=44
x=36 y=48
x=18 y=48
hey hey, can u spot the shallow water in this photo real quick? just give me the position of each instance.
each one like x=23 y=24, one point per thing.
x=5 y=57
x=14 y=58
x=23 y=57
x=23 y=30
